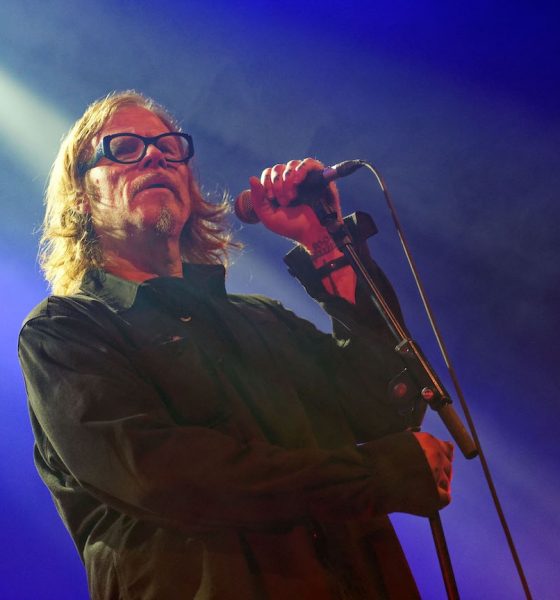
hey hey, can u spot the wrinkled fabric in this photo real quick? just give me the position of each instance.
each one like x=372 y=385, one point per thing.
x=204 y=445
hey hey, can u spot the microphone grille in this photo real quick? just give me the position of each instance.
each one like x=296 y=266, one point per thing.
x=243 y=208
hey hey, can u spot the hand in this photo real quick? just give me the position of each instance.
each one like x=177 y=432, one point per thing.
x=273 y=194
x=439 y=456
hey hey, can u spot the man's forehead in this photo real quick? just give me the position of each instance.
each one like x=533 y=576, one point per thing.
x=132 y=119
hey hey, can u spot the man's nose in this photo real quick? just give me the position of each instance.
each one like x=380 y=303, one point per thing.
x=154 y=157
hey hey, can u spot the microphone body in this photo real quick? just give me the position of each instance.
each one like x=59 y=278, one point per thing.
x=308 y=190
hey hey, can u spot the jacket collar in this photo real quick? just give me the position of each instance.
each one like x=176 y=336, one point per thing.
x=198 y=281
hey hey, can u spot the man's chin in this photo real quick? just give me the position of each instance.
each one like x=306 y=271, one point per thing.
x=162 y=221
x=165 y=223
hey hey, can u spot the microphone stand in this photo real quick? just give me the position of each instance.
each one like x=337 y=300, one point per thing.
x=423 y=375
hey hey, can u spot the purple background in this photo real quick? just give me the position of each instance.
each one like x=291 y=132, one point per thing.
x=456 y=104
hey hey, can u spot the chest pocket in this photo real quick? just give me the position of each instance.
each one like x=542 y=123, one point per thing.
x=188 y=378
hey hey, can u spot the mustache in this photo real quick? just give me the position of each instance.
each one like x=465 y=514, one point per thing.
x=153 y=180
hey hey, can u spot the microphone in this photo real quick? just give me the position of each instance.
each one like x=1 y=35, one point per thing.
x=308 y=190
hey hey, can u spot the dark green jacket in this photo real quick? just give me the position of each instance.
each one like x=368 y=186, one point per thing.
x=204 y=445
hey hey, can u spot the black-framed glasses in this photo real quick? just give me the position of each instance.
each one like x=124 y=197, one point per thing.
x=127 y=148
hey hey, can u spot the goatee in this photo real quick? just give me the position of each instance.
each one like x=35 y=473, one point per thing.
x=165 y=222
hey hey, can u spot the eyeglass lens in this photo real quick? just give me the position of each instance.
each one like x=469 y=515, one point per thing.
x=128 y=148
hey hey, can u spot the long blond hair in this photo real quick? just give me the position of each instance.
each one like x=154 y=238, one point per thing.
x=69 y=245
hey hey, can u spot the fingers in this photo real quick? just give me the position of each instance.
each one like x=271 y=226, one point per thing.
x=444 y=481
x=273 y=196
x=439 y=456
x=449 y=449
x=444 y=487
x=280 y=181
x=258 y=198
x=290 y=179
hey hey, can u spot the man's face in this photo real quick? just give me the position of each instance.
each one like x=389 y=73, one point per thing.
x=127 y=200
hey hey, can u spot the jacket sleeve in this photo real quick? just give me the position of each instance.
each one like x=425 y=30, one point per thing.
x=366 y=341
x=105 y=428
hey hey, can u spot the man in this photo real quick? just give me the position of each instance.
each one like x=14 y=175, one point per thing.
x=198 y=444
